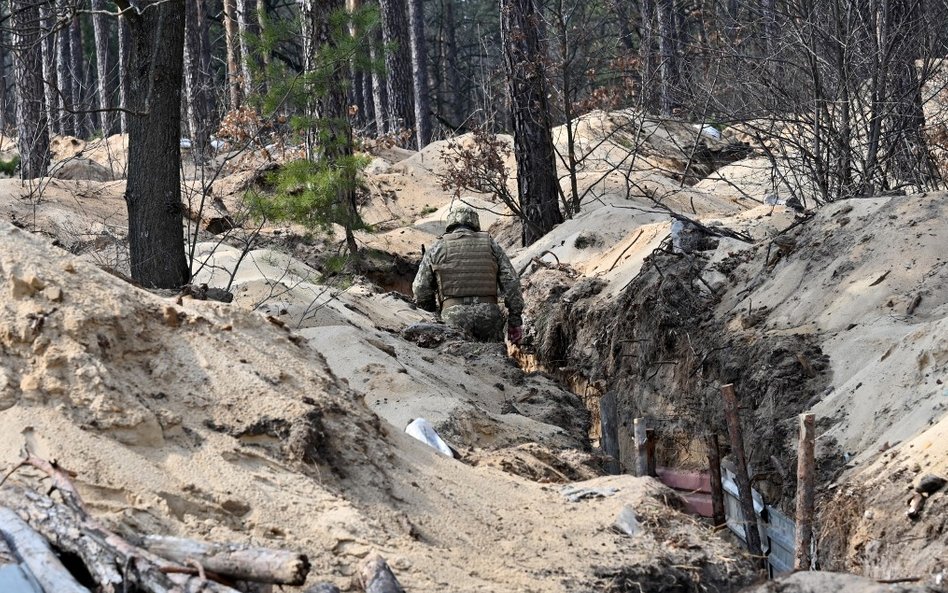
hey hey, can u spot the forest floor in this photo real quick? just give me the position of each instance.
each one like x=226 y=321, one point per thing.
x=278 y=419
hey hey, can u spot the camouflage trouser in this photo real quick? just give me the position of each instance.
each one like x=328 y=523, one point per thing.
x=483 y=322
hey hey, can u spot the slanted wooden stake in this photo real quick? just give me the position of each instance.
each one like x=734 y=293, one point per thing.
x=743 y=480
x=717 y=487
x=805 y=492
x=641 y=455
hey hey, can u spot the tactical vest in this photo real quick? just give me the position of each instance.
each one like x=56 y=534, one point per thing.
x=469 y=268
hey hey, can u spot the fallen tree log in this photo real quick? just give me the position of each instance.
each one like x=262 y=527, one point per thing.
x=113 y=562
x=235 y=561
x=32 y=550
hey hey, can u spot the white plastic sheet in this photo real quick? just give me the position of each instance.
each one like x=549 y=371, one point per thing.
x=422 y=430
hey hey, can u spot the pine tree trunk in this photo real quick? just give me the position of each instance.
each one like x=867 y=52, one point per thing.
x=537 y=186
x=32 y=127
x=906 y=144
x=247 y=27
x=153 y=192
x=647 y=53
x=124 y=45
x=309 y=13
x=64 y=79
x=231 y=38
x=264 y=57
x=3 y=79
x=368 y=96
x=196 y=77
x=419 y=72
x=332 y=108
x=449 y=66
x=622 y=16
x=379 y=86
x=358 y=82
x=100 y=24
x=668 y=54
x=77 y=70
x=48 y=17
x=398 y=80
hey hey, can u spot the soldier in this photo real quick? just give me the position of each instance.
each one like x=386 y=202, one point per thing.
x=460 y=277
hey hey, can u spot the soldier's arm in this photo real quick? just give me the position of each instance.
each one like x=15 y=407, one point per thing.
x=509 y=282
x=425 y=285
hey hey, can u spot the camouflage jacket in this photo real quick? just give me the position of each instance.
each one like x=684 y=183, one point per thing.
x=425 y=286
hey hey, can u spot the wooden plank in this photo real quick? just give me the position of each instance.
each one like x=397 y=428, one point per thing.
x=717 y=486
x=609 y=424
x=805 y=492
x=743 y=479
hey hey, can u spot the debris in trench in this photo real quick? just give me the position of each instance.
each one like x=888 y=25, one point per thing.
x=578 y=493
x=423 y=431
x=627 y=522
x=429 y=335
x=375 y=576
x=927 y=485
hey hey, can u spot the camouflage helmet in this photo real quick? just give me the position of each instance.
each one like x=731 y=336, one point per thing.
x=463 y=215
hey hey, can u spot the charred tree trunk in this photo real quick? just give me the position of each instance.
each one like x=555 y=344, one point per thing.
x=231 y=38
x=100 y=24
x=64 y=80
x=537 y=185
x=196 y=77
x=419 y=71
x=32 y=128
x=153 y=192
x=77 y=69
x=124 y=44
x=398 y=71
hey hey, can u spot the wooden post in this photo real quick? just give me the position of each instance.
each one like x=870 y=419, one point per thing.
x=805 y=492
x=650 y=442
x=641 y=461
x=717 y=487
x=743 y=480
x=609 y=441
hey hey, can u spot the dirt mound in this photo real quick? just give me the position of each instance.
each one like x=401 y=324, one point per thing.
x=843 y=314
x=541 y=464
x=80 y=169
